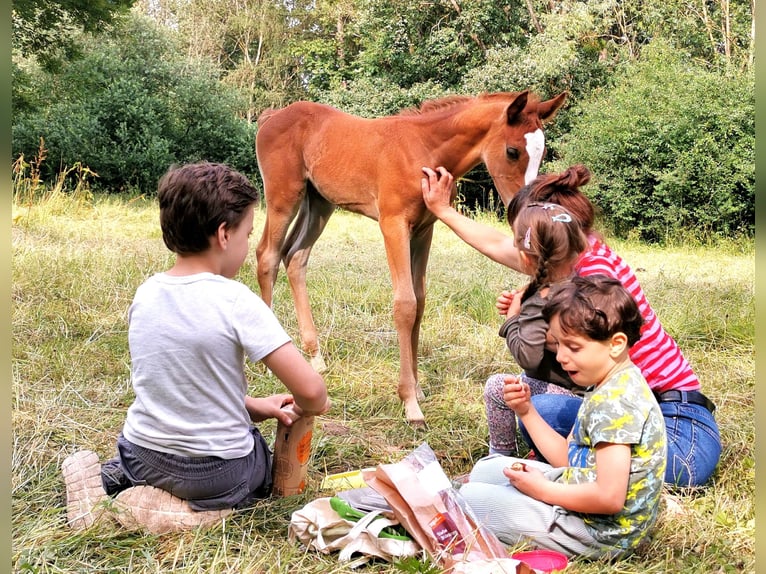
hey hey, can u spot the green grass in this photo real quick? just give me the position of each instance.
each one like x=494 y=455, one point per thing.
x=77 y=261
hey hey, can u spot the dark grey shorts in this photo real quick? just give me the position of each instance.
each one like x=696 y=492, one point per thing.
x=207 y=483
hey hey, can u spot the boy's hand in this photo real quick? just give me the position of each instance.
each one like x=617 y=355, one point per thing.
x=526 y=480
x=279 y=406
x=517 y=395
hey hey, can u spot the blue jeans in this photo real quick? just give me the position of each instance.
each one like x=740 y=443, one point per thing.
x=694 y=442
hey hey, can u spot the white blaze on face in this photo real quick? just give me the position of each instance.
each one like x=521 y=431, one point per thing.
x=535 y=148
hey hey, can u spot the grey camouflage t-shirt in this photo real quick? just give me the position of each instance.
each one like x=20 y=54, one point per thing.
x=621 y=411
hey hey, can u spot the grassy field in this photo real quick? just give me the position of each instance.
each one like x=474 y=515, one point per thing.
x=77 y=261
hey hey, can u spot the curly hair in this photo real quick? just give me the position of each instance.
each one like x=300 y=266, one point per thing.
x=196 y=198
x=597 y=306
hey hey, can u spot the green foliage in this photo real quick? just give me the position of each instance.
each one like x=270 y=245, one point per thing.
x=129 y=108
x=48 y=29
x=409 y=43
x=715 y=33
x=254 y=44
x=671 y=146
x=376 y=97
x=564 y=56
x=70 y=189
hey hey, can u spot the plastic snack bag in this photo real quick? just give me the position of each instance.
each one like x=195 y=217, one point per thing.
x=426 y=504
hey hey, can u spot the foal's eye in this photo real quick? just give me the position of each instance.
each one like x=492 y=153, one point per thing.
x=511 y=153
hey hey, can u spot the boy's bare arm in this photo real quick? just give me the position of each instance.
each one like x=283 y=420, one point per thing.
x=306 y=385
x=551 y=444
x=437 y=187
x=604 y=496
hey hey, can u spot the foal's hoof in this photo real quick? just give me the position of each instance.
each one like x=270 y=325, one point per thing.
x=318 y=364
x=414 y=415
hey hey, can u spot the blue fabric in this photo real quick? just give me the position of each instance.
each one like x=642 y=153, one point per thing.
x=694 y=441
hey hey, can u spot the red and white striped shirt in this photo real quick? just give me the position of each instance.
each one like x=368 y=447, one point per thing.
x=656 y=353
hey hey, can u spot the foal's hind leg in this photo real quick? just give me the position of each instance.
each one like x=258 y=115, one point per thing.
x=420 y=248
x=314 y=213
x=268 y=253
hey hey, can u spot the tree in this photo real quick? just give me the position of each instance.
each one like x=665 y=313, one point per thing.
x=711 y=31
x=252 y=42
x=433 y=41
x=130 y=107
x=45 y=29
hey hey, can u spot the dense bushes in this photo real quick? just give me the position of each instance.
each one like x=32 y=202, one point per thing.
x=671 y=147
x=128 y=109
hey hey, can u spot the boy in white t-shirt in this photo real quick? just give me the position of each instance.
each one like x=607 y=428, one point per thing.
x=190 y=428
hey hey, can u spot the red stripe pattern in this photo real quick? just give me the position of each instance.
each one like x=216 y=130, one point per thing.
x=656 y=353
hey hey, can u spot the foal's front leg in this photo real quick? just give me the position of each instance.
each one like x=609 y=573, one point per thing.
x=405 y=309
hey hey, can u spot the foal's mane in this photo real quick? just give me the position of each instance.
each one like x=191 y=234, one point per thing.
x=451 y=101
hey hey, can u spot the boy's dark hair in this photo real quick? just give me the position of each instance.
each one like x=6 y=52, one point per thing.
x=561 y=188
x=196 y=198
x=596 y=306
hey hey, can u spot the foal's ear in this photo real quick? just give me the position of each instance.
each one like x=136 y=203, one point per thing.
x=517 y=106
x=546 y=110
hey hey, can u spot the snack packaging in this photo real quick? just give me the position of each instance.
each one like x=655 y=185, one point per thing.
x=292 y=449
x=432 y=511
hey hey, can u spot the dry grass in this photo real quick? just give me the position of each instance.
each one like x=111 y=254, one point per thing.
x=77 y=262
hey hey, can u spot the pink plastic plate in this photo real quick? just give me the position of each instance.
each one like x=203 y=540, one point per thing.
x=543 y=560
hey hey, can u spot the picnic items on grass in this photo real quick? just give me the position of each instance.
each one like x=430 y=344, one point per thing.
x=543 y=561
x=365 y=499
x=350 y=479
x=359 y=537
x=432 y=511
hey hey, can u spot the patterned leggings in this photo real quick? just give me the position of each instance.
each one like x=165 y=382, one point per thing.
x=501 y=419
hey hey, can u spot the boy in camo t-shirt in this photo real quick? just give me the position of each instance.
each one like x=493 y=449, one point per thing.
x=600 y=494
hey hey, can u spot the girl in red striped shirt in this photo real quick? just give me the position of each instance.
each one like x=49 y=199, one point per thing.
x=694 y=444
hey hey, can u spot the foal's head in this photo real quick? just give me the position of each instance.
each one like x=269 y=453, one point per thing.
x=514 y=154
